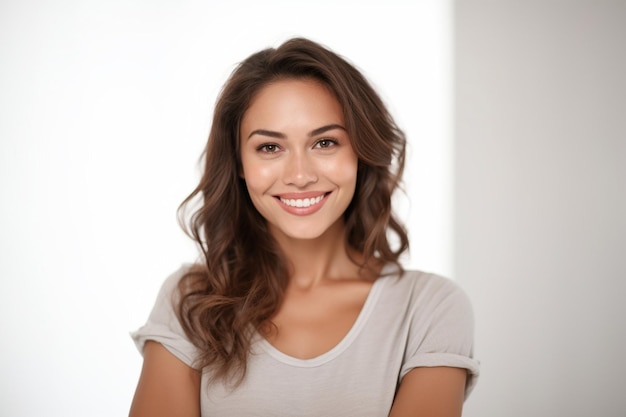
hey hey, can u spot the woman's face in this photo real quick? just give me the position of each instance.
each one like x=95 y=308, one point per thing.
x=297 y=159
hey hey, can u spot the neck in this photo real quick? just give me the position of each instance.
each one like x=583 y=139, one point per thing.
x=314 y=261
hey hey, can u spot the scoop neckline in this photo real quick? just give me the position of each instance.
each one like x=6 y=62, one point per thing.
x=345 y=342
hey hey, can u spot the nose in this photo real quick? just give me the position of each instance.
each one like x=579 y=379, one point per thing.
x=300 y=170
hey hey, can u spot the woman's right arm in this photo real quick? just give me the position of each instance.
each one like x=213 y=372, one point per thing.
x=167 y=387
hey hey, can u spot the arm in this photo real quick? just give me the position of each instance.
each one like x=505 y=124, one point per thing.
x=167 y=387
x=430 y=392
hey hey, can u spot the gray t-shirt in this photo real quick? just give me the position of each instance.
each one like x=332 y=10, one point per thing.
x=408 y=321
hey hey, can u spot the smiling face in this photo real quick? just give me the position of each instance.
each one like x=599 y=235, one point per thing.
x=297 y=159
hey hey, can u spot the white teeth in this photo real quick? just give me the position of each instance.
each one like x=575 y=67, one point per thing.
x=305 y=202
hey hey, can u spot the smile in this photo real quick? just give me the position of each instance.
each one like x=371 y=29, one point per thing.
x=304 y=202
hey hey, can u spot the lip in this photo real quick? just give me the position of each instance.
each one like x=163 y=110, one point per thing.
x=302 y=211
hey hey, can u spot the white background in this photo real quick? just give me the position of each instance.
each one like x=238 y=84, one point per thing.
x=104 y=110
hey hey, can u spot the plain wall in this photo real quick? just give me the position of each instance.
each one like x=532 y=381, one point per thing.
x=540 y=203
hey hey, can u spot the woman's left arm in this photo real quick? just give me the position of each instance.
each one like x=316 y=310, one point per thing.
x=431 y=392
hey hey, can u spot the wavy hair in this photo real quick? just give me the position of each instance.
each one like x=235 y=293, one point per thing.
x=238 y=285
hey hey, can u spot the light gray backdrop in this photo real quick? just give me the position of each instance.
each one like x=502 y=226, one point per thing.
x=540 y=203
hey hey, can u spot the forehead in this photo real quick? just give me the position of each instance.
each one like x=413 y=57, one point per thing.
x=292 y=102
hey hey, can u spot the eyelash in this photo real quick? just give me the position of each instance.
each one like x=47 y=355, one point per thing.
x=265 y=146
x=329 y=144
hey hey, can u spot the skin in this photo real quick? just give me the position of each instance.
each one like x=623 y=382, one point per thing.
x=293 y=143
x=167 y=387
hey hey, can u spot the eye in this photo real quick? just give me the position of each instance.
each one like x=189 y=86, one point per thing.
x=325 y=143
x=268 y=148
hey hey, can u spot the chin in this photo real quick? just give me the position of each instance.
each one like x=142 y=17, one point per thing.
x=301 y=233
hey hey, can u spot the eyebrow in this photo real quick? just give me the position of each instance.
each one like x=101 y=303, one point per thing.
x=278 y=135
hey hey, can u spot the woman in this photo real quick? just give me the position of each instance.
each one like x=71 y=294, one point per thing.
x=299 y=306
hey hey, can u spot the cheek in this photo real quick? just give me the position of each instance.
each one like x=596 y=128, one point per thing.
x=258 y=177
x=343 y=171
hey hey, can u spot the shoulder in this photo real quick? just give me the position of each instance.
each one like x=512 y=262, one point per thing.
x=170 y=287
x=445 y=300
x=163 y=325
x=426 y=290
x=438 y=316
x=435 y=311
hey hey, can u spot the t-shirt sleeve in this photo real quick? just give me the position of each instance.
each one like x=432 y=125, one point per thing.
x=163 y=325
x=442 y=330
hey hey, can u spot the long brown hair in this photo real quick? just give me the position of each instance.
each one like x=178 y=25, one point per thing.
x=239 y=284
